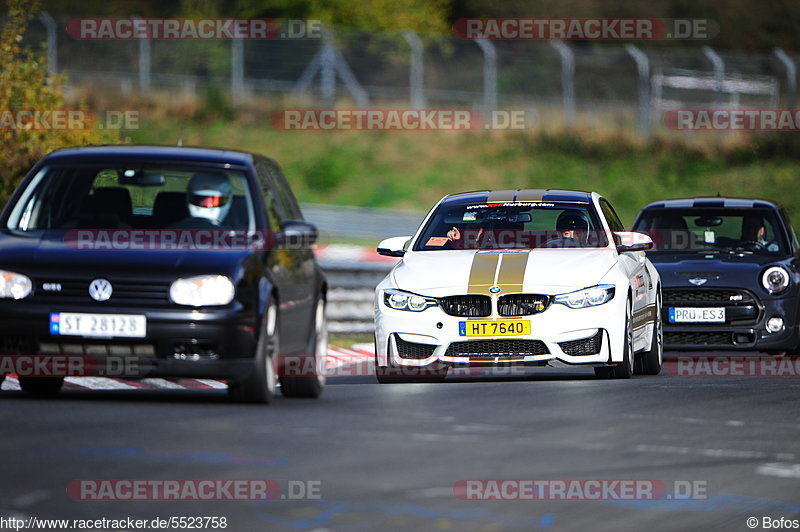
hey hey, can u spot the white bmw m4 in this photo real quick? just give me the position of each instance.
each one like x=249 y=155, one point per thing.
x=518 y=277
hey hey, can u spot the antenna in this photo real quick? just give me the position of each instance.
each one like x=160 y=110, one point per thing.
x=180 y=142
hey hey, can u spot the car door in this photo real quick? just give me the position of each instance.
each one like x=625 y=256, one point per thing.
x=633 y=262
x=295 y=262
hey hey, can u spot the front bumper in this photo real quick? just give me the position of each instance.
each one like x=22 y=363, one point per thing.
x=202 y=343
x=744 y=330
x=434 y=338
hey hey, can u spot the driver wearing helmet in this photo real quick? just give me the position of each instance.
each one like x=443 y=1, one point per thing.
x=572 y=229
x=209 y=197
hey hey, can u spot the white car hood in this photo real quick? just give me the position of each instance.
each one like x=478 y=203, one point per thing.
x=448 y=272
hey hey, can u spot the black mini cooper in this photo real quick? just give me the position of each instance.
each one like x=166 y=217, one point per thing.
x=167 y=261
x=730 y=272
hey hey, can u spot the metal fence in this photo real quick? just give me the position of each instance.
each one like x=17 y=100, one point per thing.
x=558 y=83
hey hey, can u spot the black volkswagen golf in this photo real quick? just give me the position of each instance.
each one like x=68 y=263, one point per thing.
x=730 y=273
x=167 y=261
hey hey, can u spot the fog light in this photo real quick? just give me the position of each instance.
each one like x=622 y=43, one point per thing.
x=775 y=324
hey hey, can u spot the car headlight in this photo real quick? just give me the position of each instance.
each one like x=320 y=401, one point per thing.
x=202 y=291
x=587 y=297
x=400 y=300
x=775 y=279
x=15 y=285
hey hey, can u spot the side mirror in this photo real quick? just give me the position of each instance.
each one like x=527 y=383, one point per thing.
x=632 y=241
x=297 y=234
x=394 y=247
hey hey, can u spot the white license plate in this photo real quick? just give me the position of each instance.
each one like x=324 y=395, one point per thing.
x=697 y=315
x=98 y=325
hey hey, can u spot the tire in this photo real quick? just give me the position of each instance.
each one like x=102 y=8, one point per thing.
x=624 y=369
x=649 y=362
x=41 y=386
x=259 y=387
x=310 y=386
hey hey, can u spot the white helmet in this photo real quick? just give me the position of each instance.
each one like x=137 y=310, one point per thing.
x=210 y=196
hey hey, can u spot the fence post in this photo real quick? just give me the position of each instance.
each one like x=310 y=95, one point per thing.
x=567 y=80
x=489 y=74
x=52 y=44
x=643 y=66
x=791 y=78
x=719 y=71
x=328 y=62
x=237 y=70
x=327 y=76
x=415 y=71
x=144 y=63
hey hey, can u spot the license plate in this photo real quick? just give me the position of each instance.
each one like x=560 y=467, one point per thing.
x=697 y=315
x=98 y=325
x=494 y=328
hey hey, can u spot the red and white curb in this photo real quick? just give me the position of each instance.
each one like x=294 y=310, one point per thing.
x=338 y=357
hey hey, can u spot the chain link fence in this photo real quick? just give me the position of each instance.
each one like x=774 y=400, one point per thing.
x=557 y=83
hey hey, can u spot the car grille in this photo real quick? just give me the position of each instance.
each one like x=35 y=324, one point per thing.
x=493 y=348
x=125 y=293
x=707 y=296
x=698 y=338
x=467 y=306
x=86 y=347
x=413 y=350
x=522 y=304
x=587 y=346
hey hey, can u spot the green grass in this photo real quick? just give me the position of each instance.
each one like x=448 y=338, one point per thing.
x=413 y=170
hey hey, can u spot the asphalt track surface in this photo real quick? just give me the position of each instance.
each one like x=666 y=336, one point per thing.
x=387 y=457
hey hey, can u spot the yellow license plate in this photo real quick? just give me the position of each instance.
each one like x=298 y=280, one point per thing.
x=494 y=328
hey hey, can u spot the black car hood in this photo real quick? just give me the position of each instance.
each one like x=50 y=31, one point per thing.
x=677 y=270
x=52 y=256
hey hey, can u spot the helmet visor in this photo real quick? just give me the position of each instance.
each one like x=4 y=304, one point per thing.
x=208 y=202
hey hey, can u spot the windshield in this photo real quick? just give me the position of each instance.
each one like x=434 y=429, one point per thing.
x=512 y=225
x=720 y=230
x=132 y=197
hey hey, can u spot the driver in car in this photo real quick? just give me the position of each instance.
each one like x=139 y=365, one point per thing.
x=754 y=234
x=209 y=197
x=572 y=228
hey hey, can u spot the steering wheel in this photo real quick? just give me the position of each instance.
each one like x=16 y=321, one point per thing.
x=750 y=245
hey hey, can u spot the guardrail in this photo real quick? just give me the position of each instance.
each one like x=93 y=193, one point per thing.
x=351 y=294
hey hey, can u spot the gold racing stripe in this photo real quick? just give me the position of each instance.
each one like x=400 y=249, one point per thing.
x=501 y=195
x=534 y=194
x=512 y=272
x=482 y=273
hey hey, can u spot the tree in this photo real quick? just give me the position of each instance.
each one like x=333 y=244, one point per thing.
x=26 y=85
